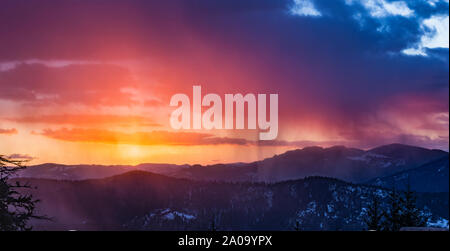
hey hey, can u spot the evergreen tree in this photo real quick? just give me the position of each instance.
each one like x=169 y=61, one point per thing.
x=297 y=226
x=411 y=216
x=401 y=212
x=393 y=216
x=16 y=206
x=374 y=214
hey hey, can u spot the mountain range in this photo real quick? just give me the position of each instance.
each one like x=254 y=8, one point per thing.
x=140 y=200
x=373 y=166
x=312 y=188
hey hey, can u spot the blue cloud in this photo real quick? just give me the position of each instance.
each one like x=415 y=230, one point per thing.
x=404 y=27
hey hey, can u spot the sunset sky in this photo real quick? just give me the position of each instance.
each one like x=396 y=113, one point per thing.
x=91 y=81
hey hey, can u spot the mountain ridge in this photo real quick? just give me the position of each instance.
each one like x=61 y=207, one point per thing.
x=430 y=177
x=349 y=164
x=139 y=200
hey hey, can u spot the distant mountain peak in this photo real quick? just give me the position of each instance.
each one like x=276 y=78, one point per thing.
x=399 y=146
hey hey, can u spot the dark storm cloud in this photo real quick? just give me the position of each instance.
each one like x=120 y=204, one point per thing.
x=344 y=64
x=334 y=53
x=60 y=29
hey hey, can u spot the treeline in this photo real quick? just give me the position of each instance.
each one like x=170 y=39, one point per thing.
x=400 y=211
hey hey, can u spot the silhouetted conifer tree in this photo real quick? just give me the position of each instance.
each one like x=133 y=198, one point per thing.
x=374 y=214
x=401 y=212
x=411 y=216
x=393 y=216
x=16 y=207
x=297 y=226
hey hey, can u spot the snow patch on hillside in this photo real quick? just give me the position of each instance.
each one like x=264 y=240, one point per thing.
x=441 y=222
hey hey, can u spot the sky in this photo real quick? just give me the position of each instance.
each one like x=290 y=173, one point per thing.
x=91 y=81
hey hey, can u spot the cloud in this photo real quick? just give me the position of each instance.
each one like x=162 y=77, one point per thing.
x=354 y=139
x=434 y=3
x=138 y=138
x=96 y=120
x=137 y=23
x=414 y=52
x=8 y=131
x=19 y=156
x=340 y=69
x=435 y=35
x=165 y=138
x=417 y=122
x=416 y=140
x=382 y=8
x=304 y=8
x=91 y=84
x=9 y=65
